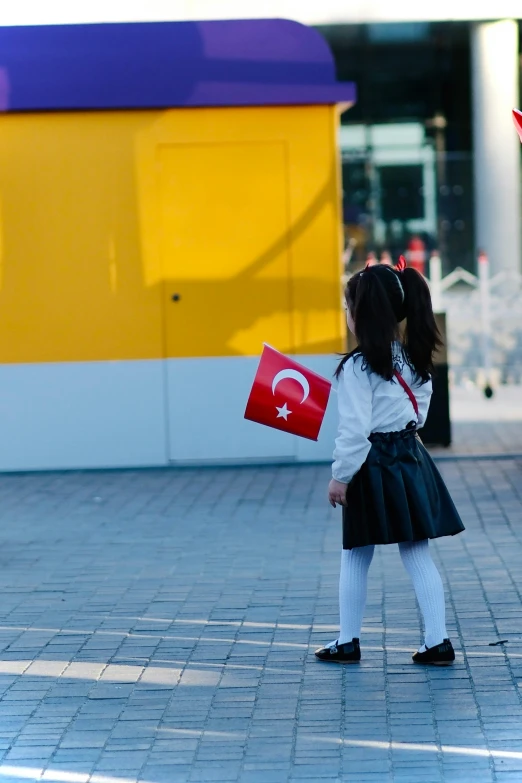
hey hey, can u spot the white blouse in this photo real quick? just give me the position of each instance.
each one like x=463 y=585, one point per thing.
x=367 y=403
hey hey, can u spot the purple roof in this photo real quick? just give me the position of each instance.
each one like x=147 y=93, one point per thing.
x=262 y=62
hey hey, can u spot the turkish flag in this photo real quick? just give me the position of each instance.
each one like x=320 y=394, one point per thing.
x=287 y=396
x=517 y=119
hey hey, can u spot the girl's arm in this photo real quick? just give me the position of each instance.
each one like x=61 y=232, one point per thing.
x=354 y=398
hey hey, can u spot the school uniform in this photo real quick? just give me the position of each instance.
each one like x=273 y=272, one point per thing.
x=395 y=492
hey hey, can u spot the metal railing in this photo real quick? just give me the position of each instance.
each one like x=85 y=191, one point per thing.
x=484 y=322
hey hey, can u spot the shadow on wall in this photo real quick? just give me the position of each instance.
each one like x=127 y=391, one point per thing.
x=73 y=256
x=234 y=315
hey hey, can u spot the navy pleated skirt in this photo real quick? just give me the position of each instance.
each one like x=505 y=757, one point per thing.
x=397 y=495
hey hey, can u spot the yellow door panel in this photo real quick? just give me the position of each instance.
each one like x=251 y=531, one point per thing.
x=72 y=283
x=224 y=247
x=105 y=215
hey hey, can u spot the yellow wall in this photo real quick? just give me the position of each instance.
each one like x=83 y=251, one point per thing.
x=103 y=216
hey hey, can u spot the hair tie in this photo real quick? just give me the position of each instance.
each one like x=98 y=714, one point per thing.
x=396 y=273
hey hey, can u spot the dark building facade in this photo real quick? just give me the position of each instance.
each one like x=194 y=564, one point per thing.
x=407 y=145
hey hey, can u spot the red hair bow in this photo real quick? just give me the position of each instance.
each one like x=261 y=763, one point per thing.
x=401 y=265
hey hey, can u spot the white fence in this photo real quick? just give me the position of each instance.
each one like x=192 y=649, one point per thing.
x=484 y=323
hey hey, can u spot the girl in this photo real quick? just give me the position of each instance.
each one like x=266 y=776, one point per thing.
x=390 y=490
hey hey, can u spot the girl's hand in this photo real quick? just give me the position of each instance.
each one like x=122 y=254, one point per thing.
x=337 y=493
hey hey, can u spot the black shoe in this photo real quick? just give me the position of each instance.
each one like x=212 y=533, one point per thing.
x=441 y=655
x=340 y=653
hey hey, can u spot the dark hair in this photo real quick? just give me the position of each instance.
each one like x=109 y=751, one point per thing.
x=379 y=298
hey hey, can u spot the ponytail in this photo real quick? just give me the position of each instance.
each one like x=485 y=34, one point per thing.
x=376 y=326
x=422 y=337
x=379 y=298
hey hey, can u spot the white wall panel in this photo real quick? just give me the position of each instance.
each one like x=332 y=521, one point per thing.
x=82 y=415
x=114 y=414
x=206 y=402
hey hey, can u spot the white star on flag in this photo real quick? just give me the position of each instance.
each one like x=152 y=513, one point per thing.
x=283 y=413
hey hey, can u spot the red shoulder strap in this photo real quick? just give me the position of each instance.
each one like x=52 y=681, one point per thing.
x=408 y=391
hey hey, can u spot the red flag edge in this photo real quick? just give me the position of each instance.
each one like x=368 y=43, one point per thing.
x=517 y=119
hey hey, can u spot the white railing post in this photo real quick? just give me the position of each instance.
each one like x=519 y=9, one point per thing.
x=485 y=319
x=435 y=281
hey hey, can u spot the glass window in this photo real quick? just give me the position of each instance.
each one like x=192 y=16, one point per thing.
x=406 y=144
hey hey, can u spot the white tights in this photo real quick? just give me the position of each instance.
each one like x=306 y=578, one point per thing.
x=416 y=558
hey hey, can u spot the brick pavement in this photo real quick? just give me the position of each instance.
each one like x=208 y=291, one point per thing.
x=158 y=626
x=481 y=426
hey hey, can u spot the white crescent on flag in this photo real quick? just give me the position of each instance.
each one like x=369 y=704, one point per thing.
x=295 y=376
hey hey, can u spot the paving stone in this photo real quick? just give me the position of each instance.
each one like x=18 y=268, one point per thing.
x=153 y=638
